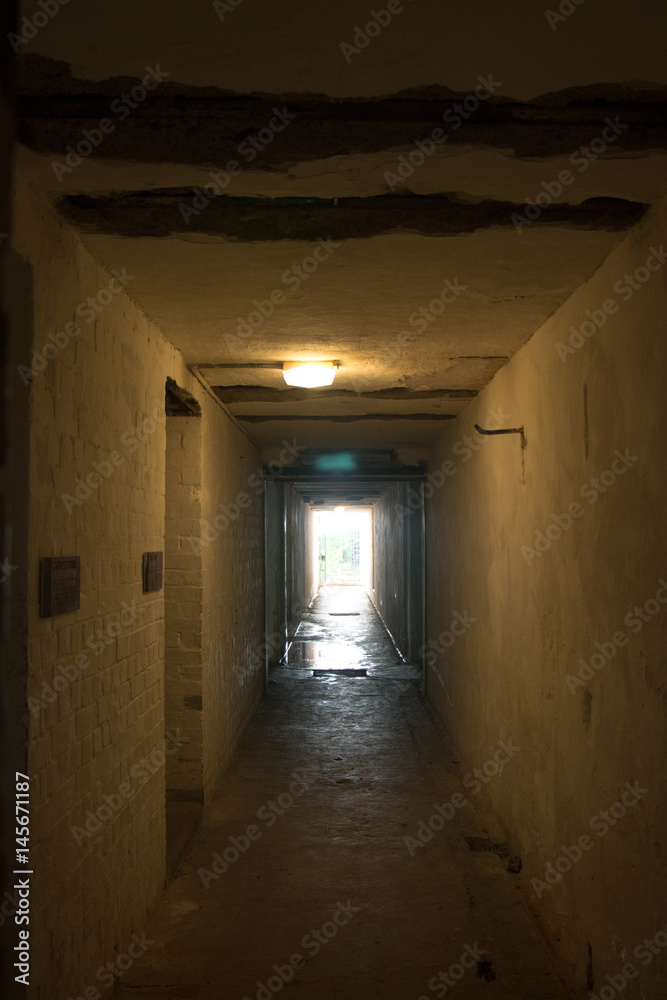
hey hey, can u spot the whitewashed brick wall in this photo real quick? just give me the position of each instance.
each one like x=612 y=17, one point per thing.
x=233 y=615
x=89 y=740
x=183 y=602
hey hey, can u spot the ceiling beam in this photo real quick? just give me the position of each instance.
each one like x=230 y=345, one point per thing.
x=261 y=394
x=157 y=214
x=306 y=478
x=177 y=123
x=337 y=419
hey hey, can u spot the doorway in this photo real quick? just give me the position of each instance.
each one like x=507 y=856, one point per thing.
x=343 y=539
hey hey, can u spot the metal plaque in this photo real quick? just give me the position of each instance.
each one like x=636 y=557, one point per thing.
x=152 y=571
x=60 y=585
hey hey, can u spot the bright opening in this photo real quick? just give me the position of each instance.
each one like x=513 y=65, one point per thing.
x=343 y=546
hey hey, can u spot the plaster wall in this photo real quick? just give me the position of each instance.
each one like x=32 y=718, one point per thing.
x=96 y=693
x=536 y=598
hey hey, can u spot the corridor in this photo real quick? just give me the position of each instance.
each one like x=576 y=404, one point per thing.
x=299 y=296
x=307 y=875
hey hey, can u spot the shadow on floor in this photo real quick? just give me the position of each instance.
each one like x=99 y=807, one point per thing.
x=183 y=820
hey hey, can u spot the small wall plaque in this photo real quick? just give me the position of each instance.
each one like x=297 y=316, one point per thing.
x=59 y=585
x=152 y=571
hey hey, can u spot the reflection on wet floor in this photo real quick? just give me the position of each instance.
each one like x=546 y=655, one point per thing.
x=345 y=720
x=341 y=632
x=334 y=655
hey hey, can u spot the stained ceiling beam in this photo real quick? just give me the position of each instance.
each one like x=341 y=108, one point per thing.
x=183 y=124
x=158 y=213
x=262 y=394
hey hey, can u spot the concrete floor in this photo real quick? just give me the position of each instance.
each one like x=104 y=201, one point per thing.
x=323 y=872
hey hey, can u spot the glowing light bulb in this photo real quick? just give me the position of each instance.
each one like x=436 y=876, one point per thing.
x=308 y=374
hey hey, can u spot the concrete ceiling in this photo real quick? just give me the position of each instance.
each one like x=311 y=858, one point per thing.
x=294 y=46
x=422 y=286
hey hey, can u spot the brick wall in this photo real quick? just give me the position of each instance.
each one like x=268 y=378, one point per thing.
x=233 y=604
x=182 y=608
x=96 y=676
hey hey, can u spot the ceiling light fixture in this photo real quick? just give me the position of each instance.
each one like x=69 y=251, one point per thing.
x=309 y=374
